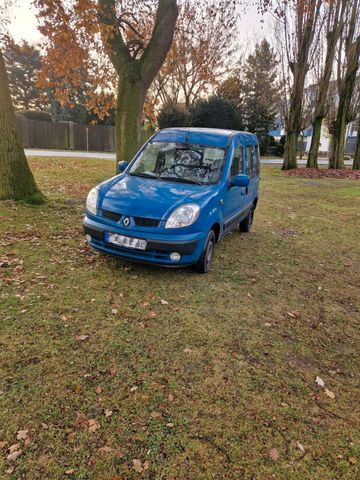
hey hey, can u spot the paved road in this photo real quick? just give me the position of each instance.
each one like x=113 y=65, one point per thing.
x=111 y=156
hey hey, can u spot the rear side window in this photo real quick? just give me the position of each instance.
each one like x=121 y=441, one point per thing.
x=249 y=161
x=257 y=159
x=237 y=166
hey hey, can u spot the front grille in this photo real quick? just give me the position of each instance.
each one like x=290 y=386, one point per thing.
x=111 y=215
x=146 y=222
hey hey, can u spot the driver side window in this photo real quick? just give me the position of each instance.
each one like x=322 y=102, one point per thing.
x=237 y=165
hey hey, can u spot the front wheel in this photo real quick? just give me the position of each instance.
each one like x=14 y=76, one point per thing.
x=203 y=265
x=245 y=225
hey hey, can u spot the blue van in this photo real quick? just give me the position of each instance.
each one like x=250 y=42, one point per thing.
x=183 y=191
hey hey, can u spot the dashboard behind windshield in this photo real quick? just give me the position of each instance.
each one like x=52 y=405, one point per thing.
x=180 y=162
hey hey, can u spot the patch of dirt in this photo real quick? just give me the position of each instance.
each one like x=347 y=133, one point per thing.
x=346 y=173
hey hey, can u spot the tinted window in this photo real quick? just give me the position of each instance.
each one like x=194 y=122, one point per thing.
x=257 y=159
x=249 y=161
x=237 y=165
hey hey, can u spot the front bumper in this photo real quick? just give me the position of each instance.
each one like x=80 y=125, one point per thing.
x=159 y=245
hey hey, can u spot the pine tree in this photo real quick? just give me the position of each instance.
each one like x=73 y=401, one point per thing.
x=260 y=90
x=23 y=64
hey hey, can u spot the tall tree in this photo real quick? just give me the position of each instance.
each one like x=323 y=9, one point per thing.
x=198 y=58
x=260 y=90
x=356 y=163
x=16 y=179
x=334 y=16
x=23 y=64
x=117 y=30
x=299 y=25
x=348 y=57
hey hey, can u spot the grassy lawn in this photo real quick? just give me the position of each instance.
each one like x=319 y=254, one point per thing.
x=124 y=371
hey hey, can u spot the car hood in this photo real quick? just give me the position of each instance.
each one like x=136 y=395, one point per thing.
x=149 y=198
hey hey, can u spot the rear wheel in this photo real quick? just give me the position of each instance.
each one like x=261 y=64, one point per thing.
x=246 y=224
x=203 y=265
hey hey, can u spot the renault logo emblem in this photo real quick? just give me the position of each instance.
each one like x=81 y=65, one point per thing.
x=126 y=221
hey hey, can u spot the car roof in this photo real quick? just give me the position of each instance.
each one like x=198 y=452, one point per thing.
x=203 y=136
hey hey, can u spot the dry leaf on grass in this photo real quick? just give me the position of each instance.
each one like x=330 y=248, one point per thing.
x=187 y=350
x=274 y=454
x=81 y=338
x=108 y=413
x=352 y=460
x=3 y=444
x=155 y=415
x=164 y=302
x=93 y=425
x=300 y=447
x=329 y=393
x=14 y=455
x=320 y=381
x=137 y=465
x=22 y=434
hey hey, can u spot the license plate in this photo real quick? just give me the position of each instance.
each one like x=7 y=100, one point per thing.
x=127 y=242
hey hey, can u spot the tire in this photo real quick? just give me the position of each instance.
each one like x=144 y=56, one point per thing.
x=246 y=224
x=204 y=263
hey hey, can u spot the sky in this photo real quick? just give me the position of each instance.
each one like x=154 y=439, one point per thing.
x=24 y=23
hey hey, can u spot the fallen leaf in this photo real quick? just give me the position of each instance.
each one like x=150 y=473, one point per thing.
x=274 y=454
x=133 y=389
x=70 y=471
x=171 y=397
x=81 y=338
x=113 y=372
x=22 y=434
x=146 y=304
x=98 y=390
x=14 y=447
x=108 y=413
x=114 y=311
x=291 y=315
x=27 y=442
x=106 y=449
x=330 y=394
x=170 y=425
x=137 y=465
x=146 y=465
x=300 y=447
x=187 y=350
x=93 y=425
x=352 y=460
x=14 y=455
x=155 y=415
x=164 y=302
x=320 y=382
x=3 y=444
x=81 y=421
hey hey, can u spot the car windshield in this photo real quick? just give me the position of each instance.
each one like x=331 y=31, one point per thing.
x=180 y=162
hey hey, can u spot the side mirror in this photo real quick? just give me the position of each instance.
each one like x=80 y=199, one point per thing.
x=240 y=181
x=122 y=166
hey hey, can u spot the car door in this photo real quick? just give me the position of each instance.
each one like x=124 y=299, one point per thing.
x=234 y=197
x=252 y=171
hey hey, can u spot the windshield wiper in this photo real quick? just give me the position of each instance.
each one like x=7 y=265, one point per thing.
x=144 y=175
x=182 y=180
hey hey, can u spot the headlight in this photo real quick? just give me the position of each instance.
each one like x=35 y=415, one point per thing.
x=183 y=216
x=91 y=201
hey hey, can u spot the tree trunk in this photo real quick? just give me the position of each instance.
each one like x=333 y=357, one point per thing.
x=339 y=134
x=16 y=179
x=290 y=151
x=130 y=105
x=312 y=161
x=356 y=164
